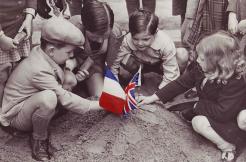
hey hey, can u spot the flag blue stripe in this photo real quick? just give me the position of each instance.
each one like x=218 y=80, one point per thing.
x=108 y=73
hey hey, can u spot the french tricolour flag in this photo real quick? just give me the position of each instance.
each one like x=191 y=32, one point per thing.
x=113 y=97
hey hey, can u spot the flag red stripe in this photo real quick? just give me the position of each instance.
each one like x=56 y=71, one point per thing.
x=112 y=103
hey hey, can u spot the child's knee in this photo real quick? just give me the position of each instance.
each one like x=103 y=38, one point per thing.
x=48 y=100
x=182 y=56
x=241 y=120
x=200 y=124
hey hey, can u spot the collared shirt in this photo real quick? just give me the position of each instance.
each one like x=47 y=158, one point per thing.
x=162 y=49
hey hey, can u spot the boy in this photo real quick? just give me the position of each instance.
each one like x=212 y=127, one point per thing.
x=35 y=87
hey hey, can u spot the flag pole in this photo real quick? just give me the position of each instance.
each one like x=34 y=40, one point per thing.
x=140 y=80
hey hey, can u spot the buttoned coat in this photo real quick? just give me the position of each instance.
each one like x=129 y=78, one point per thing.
x=37 y=73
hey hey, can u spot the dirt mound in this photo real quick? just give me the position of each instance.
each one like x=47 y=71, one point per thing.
x=151 y=134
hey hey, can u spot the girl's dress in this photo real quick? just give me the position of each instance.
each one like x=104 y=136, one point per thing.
x=220 y=103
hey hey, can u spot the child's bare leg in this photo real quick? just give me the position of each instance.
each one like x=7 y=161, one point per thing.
x=202 y=126
x=241 y=120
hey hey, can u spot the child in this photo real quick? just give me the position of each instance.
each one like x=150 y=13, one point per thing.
x=147 y=46
x=101 y=43
x=15 y=17
x=210 y=16
x=35 y=88
x=221 y=90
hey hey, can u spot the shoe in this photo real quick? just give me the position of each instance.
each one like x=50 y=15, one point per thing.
x=228 y=156
x=39 y=150
x=51 y=149
x=183 y=117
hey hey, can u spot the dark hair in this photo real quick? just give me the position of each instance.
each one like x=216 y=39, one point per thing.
x=142 y=20
x=97 y=16
x=44 y=43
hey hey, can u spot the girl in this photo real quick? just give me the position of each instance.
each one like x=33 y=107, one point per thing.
x=147 y=46
x=101 y=43
x=221 y=89
x=15 y=22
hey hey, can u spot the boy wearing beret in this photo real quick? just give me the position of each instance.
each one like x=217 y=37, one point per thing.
x=34 y=88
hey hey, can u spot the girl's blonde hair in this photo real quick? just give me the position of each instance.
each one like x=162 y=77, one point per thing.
x=222 y=55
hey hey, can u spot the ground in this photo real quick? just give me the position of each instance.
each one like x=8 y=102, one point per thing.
x=150 y=134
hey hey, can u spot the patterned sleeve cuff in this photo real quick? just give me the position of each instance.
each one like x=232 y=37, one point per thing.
x=30 y=11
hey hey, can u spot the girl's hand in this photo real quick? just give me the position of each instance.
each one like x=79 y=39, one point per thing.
x=142 y=100
x=7 y=43
x=82 y=75
x=27 y=26
x=242 y=27
x=232 y=23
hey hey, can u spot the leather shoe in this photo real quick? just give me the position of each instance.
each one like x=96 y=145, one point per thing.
x=39 y=149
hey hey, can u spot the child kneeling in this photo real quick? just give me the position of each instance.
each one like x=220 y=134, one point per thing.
x=149 y=47
x=217 y=76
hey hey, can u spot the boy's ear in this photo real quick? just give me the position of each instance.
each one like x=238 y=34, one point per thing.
x=50 y=50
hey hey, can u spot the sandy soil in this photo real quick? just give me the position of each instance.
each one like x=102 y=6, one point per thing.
x=150 y=134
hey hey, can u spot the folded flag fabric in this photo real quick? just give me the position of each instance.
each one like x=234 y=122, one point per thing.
x=130 y=91
x=113 y=97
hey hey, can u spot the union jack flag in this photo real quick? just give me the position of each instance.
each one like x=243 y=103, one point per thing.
x=130 y=91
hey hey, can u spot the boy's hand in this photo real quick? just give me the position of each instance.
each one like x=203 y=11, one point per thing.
x=82 y=75
x=232 y=23
x=69 y=80
x=242 y=27
x=7 y=43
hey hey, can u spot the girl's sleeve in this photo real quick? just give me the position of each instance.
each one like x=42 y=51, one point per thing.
x=123 y=52
x=32 y=4
x=31 y=7
x=183 y=83
x=232 y=6
x=230 y=102
x=170 y=64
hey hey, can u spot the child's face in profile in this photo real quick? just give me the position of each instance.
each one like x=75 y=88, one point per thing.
x=99 y=38
x=202 y=62
x=142 y=40
x=61 y=55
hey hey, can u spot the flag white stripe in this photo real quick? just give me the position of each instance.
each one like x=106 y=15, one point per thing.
x=112 y=87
